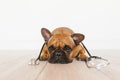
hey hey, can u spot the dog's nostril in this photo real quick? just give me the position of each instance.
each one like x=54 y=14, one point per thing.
x=58 y=54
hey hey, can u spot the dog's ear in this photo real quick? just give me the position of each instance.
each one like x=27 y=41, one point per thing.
x=46 y=34
x=77 y=37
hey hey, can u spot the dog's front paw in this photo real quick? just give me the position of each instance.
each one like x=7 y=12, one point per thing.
x=83 y=58
x=43 y=58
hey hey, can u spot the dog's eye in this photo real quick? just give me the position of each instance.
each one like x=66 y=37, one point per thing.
x=51 y=48
x=67 y=48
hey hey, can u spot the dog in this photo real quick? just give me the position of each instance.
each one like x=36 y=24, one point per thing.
x=62 y=45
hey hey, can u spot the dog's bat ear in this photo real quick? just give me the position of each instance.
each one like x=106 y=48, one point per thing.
x=77 y=37
x=46 y=34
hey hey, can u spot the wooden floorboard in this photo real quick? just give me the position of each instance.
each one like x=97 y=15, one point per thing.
x=14 y=66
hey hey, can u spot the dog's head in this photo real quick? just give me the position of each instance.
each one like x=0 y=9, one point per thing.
x=60 y=46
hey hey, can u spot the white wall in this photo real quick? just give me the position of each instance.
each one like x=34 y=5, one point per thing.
x=21 y=21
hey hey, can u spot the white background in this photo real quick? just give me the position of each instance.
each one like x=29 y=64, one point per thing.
x=21 y=21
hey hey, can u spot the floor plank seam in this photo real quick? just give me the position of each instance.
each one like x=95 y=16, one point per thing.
x=41 y=71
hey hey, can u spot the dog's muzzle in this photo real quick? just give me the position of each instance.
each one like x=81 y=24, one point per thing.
x=59 y=57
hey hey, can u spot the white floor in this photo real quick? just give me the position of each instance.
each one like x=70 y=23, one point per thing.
x=14 y=66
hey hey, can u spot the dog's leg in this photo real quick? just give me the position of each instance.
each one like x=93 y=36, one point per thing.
x=44 y=54
x=78 y=53
x=81 y=54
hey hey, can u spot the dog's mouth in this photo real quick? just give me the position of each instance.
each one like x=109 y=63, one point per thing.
x=59 y=57
x=59 y=61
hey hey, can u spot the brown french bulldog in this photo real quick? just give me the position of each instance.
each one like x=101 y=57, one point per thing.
x=62 y=46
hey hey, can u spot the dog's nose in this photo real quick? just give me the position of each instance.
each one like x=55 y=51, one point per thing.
x=58 y=54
